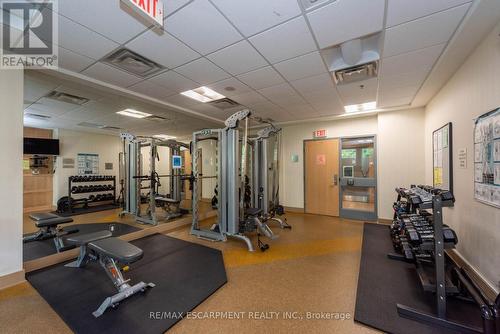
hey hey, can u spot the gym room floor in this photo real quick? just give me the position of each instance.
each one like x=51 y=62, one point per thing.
x=313 y=267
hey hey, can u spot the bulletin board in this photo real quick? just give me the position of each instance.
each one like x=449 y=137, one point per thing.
x=487 y=158
x=88 y=163
x=443 y=157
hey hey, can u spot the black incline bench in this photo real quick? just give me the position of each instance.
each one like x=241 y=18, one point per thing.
x=48 y=228
x=108 y=251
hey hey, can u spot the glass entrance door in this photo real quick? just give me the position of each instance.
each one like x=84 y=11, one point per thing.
x=358 y=178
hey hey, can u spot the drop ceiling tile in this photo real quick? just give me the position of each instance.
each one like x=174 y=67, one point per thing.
x=167 y=50
x=261 y=78
x=81 y=40
x=150 y=89
x=422 y=60
x=251 y=17
x=317 y=83
x=109 y=18
x=249 y=99
x=395 y=102
x=174 y=81
x=359 y=92
x=50 y=107
x=301 y=67
x=401 y=11
x=324 y=100
x=398 y=92
x=304 y=110
x=202 y=27
x=37 y=87
x=81 y=115
x=238 y=58
x=174 y=5
x=288 y=40
x=279 y=91
x=431 y=30
x=401 y=80
x=73 y=61
x=202 y=71
x=111 y=75
x=182 y=101
x=289 y=102
x=344 y=20
x=238 y=87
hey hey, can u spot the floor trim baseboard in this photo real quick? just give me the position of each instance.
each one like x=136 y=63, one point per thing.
x=292 y=209
x=490 y=291
x=12 y=279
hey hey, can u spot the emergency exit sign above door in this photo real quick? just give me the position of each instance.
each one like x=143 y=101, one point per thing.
x=320 y=133
x=150 y=10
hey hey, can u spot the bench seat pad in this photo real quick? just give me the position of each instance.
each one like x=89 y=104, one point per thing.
x=83 y=239
x=42 y=216
x=253 y=211
x=166 y=200
x=117 y=249
x=53 y=222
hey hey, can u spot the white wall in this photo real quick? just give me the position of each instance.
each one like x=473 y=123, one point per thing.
x=73 y=142
x=400 y=155
x=11 y=180
x=474 y=90
x=162 y=166
x=398 y=163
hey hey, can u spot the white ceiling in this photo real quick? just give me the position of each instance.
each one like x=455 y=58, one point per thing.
x=267 y=51
x=100 y=110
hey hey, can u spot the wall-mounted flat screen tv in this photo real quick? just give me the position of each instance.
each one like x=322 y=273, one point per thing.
x=41 y=146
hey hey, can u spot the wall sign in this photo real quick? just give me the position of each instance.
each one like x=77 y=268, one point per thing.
x=462 y=158
x=151 y=10
x=88 y=163
x=320 y=133
x=487 y=158
x=176 y=162
x=321 y=159
x=443 y=157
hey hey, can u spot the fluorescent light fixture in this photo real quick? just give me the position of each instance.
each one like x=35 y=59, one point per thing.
x=361 y=107
x=133 y=113
x=164 y=137
x=203 y=94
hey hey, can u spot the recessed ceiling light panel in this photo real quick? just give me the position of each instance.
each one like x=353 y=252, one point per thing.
x=203 y=94
x=133 y=113
x=361 y=107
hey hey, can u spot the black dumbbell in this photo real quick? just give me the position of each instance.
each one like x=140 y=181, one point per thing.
x=74 y=189
x=91 y=198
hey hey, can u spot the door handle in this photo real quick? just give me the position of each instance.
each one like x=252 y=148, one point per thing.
x=335 y=179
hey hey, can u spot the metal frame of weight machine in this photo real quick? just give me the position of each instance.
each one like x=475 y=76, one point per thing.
x=231 y=161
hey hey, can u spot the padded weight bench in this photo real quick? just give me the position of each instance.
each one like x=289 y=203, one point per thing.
x=167 y=204
x=48 y=224
x=101 y=246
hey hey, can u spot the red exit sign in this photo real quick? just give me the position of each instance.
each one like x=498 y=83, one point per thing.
x=320 y=133
x=151 y=10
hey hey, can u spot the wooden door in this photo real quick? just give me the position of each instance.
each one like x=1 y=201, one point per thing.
x=321 y=177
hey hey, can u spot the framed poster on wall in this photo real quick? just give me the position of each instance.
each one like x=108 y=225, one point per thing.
x=88 y=163
x=487 y=158
x=442 y=150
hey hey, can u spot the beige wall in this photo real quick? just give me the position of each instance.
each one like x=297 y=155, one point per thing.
x=11 y=180
x=474 y=90
x=398 y=164
x=74 y=142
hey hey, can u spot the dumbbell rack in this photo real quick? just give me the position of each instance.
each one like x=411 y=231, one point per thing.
x=439 y=283
x=71 y=183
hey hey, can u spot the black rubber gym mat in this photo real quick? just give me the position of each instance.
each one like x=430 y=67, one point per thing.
x=90 y=209
x=185 y=275
x=383 y=283
x=37 y=249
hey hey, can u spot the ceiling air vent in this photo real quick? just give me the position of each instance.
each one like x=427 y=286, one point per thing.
x=356 y=73
x=225 y=104
x=91 y=125
x=133 y=63
x=67 y=98
x=105 y=127
x=156 y=118
x=36 y=116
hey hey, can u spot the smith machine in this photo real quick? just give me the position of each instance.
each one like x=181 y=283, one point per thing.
x=133 y=179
